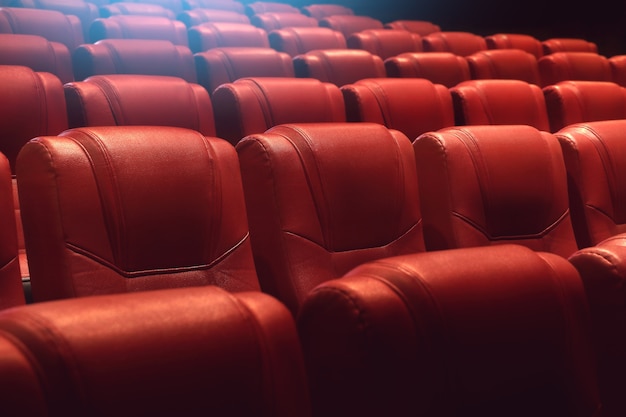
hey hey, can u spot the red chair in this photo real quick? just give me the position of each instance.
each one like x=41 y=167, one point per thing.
x=230 y=5
x=300 y=40
x=421 y=27
x=339 y=66
x=175 y=6
x=553 y=45
x=438 y=67
x=385 y=43
x=618 y=69
x=320 y=11
x=512 y=64
x=257 y=7
x=225 y=34
x=349 y=24
x=275 y=20
x=459 y=43
x=139 y=27
x=579 y=66
x=138 y=9
x=196 y=17
x=521 y=41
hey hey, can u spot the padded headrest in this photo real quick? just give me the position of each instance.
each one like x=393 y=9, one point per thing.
x=300 y=40
x=459 y=43
x=269 y=7
x=553 y=45
x=319 y=11
x=513 y=64
x=274 y=20
x=565 y=66
x=139 y=27
x=130 y=8
x=521 y=41
x=339 y=66
x=225 y=34
x=349 y=24
x=386 y=42
x=421 y=27
x=195 y=17
x=439 y=67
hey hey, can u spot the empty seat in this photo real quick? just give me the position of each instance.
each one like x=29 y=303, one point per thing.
x=339 y=66
x=224 y=65
x=563 y=66
x=412 y=106
x=36 y=53
x=253 y=105
x=488 y=185
x=349 y=24
x=111 y=210
x=122 y=100
x=618 y=69
x=139 y=27
x=140 y=9
x=86 y=12
x=570 y=102
x=422 y=335
x=499 y=102
x=175 y=6
x=274 y=20
x=300 y=40
x=439 y=67
x=521 y=41
x=232 y=5
x=385 y=42
x=513 y=64
x=421 y=27
x=325 y=197
x=196 y=17
x=133 y=56
x=225 y=34
x=197 y=351
x=459 y=43
x=553 y=45
x=257 y=7
x=320 y=11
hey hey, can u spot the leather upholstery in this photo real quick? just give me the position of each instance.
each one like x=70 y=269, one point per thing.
x=231 y=5
x=320 y=11
x=300 y=40
x=512 y=64
x=175 y=6
x=424 y=335
x=438 y=67
x=130 y=8
x=196 y=17
x=275 y=20
x=553 y=45
x=385 y=42
x=580 y=66
x=225 y=34
x=85 y=11
x=257 y=7
x=134 y=56
x=421 y=27
x=521 y=41
x=112 y=100
x=339 y=66
x=618 y=69
x=499 y=102
x=139 y=27
x=132 y=208
x=349 y=24
x=459 y=43
x=313 y=216
x=218 y=66
x=412 y=105
x=488 y=185
x=253 y=105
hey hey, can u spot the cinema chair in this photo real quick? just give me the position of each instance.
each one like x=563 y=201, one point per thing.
x=438 y=67
x=349 y=24
x=175 y=6
x=459 y=43
x=385 y=43
x=339 y=66
x=257 y=7
x=86 y=12
x=618 y=69
x=421 y=27
x=196 y=17
x=138 y=9
x=139 y=27
x=569 y=66
x=320 y=11
x=275 y=20
x=225 y=34
x=521 y=41
x=231 y=5
x=553 y=45
x=300 y=40
x=512 y=64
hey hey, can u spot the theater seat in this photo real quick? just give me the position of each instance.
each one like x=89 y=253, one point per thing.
x=339 y=66
x=499 y=102
x=425 y=335
x=553 y=45
x=385 y=43
x=521 y=41
x=320 y=11
x=196 y=17
x=325 y=197
x=225 y=34
x=459 y=43
x=175 y=6
x=139 y=27
x=132 y=208
x=618 y=69
x=140 y=9
x=198 y=351
x=257 y=7
x=512 y=64
x=86 y=12
x=438 y=67
x=412 y=106
x=580 y=66
x=489 y=185
x=275 y=20
x=126 y=100
x=300 y=40
x=349 y=24
x=253 y=105
x=421 y=27
x=134 y=56
x=218 y=66
x=231 y=5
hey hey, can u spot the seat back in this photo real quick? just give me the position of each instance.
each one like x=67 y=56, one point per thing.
x=421 y=27
x=459 y=43
x=412 y=106
x=426 y=335
x=488 y=185
x=565 y=66
x=196 y=17
x=349 y=24
x=257 y=7
x=521 y=41
x=253 y=105
x=618 y=69
x=553 y=45
x=108 y=210
x=139 y=27
x=385 y=43
x=218 y=66
x=570 y=102
x=499 y=102
x=86 y=12
x=231 y=5
x=134 y=56
x=339 y=66
x=275 y=20
x=439 y=67
x=513 y=64
x=175 y=6
x=300 y=40
x=126 y=100
x=320 y=11
x=140 y=9
x=313 y=216
x=225 y=34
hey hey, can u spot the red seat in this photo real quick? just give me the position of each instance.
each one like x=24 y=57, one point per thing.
x=553 y=45
x=565 y=66
x=489 y=185
x=109 y=210
x=339 y=66
x=274 y=20
x=257 y=7
x=459 y=43
x=196 y=17
x=512 y=64
x=438 y=67
x=412 y=106
x=426 y=334
x=253 y=105
x=421 y=27
x=140 y=9
x=139 y=27
x=300 y=40
x=231 y=5
x=320 y=11
x=225 y=34
x=618 y=69
x=521 y=41
x=349 y=24
x=385 y=43
x=175 y=6
x=325 y=197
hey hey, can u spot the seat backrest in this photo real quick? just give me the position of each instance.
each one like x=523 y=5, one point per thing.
x=421 y=27
x=111 y=209
x=320 y=11
x=488 y=185
x=49 y=24
x=385 y=43
x=499 y=102
x=36 y=53
x=521 y=41
x=512 y=64
x=218 y=66
x=232 y=5
x=134 y=56
x=593 y=153
x=339 y=66
x=196 y=17
x=253 y=105
x=300 y=40
x=130 y=8
x=565 y=66
x=126 y=100
x=553 y=45
x=439 y=67
x=257 y=7
x=175 y=6
x=139 y=27
x=241 y=355
x=225 y=34
x=459 y=43
x=349 y=24
x=314 y=215
x=427 y=335
x=412 y=105
x=570 y=102
x=274 y=20
x=86 y=12
x=618 y=69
